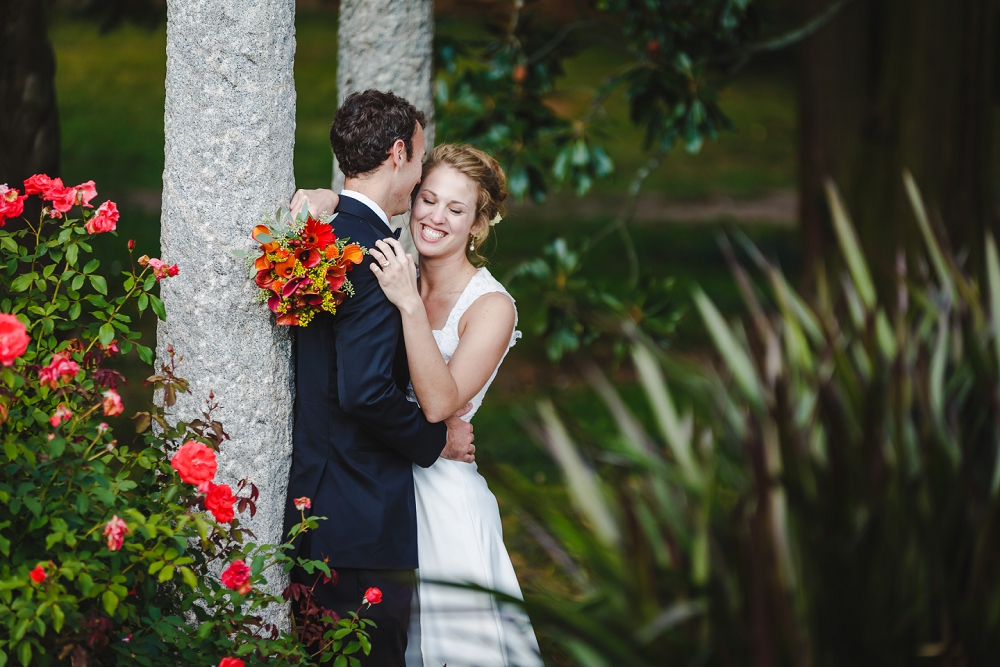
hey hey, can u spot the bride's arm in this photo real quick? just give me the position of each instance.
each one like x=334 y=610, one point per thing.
x=442 y=388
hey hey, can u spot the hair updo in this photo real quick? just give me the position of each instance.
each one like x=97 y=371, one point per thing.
x=490 y=182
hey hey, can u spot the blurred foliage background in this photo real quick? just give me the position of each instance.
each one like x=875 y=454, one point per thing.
x=637 y=134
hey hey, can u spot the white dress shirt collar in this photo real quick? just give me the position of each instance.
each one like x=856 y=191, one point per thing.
x=353 y=194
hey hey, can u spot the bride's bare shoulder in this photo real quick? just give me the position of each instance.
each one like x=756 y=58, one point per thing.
x=491 y=311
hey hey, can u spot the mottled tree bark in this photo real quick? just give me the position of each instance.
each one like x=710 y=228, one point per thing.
x=29 y=122
x=893 y=85
x=230 y=133
x=387 y=45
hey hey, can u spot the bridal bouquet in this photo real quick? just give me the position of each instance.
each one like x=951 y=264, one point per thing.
x=302 y=268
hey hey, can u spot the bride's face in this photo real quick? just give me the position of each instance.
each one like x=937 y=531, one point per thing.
x=443 y=213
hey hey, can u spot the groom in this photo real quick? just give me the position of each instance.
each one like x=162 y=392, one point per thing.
x=356 y=436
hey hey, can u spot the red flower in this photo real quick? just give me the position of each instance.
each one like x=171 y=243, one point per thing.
x=38 y=184
x=172 y=270
x=195 y=463
x=104 y=220
x=13 y=339
x=115 y=531
x=11 y=205
x=63 y=199
x=61 y=414
x=309 y=257
x=219 y=501
x=302 y=503
x=318 y=234
x=112 y=403
x=231 y=662
x=373 y=596
x=60 y=368
x=237 y=577
x=38 y=574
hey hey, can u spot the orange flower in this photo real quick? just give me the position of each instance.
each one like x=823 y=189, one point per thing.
x=331 y=251
x=353 y=254
x=288 y=319
x=286 y=268
x=262 y=263
x=270 y=246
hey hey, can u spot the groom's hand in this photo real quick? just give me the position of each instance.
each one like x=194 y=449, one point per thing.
x=320 y=202
x=459 y=446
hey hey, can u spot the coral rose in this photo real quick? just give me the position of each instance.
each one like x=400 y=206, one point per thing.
x=13 y=339
x=38 y=184
x=112 y=403
x=38 y=574
x=84 y=193
x=195 y=463
x=62 y=367
x=61 y=414
x=373 y=596
x=105 y=219
x=231 y=662
x=63 y=199
x=220 y=501
x=115 y=531
x=302 y=503
x=237 y=577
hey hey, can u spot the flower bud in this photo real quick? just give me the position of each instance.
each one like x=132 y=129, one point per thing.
x=131 y=244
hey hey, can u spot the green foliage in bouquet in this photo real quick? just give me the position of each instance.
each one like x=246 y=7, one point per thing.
x=825 y=492
x=123 y=553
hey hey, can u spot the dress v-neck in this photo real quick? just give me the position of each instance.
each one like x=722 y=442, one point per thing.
x=458 y=301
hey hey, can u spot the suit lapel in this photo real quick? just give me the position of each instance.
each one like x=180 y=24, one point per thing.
x=353 y=207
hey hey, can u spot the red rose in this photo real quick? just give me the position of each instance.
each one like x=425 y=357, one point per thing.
x=231 y=662
x=237 y=577
x=172 y=270
x=37 y=185
x=63 y=199
x=219 y=501
x=373 y=596
x=11 y=204
x=38 y=574
x=104 y=220
x=195 y=463
x=13 y=339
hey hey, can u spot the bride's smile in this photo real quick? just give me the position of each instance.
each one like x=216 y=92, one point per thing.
x=443 y=214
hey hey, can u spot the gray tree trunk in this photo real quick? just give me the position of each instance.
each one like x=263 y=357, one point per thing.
x=387 y=45
x=230 y=132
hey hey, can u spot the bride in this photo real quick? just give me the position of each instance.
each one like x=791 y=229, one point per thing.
x=458 y=324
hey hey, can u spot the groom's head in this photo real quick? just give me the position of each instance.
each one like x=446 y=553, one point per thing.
x=379 y=136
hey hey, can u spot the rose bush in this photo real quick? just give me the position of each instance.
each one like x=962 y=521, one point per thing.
x=111 y=551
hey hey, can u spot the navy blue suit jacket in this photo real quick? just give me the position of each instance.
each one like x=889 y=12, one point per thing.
x=355 y=434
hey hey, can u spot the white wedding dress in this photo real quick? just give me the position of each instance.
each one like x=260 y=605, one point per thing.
x=460 y=539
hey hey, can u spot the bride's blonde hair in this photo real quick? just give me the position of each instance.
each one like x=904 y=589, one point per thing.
x=491 y=185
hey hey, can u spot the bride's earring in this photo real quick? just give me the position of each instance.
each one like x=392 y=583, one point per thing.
x=472 y=243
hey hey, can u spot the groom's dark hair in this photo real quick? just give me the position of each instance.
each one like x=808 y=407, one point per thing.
x=367 y=125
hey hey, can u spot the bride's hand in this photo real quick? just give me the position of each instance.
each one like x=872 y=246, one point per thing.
x=396 y=273
x=320 y=202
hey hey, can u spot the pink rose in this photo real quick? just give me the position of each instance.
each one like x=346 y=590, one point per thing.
x=61 y=414
x=160 y=268
x=302 y=503
x=63 y=199
x=237 y=577
x=373 y=596
x=105 y=219
x=84 y=193
x=13 y=339
x=231 y=662
x=115 y=531
x=60 y=368
x=195 y=463
x=38 y=184
x=112 y=403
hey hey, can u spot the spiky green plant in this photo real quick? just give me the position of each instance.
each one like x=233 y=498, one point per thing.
x=824 y=492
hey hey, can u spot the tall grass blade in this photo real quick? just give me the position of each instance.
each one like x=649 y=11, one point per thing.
x=734 y=355
x=676 y=436
x=585 y=490
x=850 y=246
x=933 y=247
x=993 y=278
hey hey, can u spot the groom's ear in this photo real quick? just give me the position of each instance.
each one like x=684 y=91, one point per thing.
x=398 y=153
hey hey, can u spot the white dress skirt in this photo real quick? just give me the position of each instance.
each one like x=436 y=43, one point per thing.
x=460 y=540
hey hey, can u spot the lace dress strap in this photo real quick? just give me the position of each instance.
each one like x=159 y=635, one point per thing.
x=482 y=283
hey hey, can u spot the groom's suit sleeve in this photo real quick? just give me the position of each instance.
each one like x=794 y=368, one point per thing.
x=367 y=333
